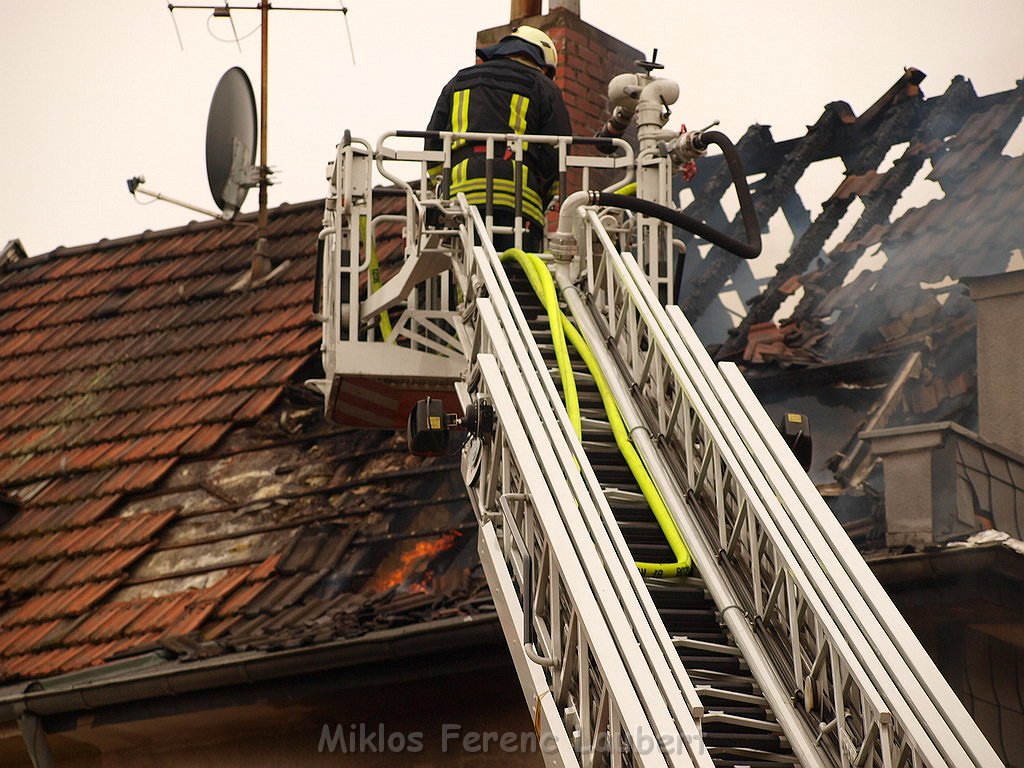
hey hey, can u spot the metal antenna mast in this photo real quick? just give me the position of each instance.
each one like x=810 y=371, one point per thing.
x=261 y=260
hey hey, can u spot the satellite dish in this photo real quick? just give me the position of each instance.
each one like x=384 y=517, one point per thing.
x=231 y=141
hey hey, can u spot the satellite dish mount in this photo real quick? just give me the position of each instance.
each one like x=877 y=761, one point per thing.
x=230 y=152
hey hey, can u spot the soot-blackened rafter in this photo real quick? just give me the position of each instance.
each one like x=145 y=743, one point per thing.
x=703 y=289
x=895 y=122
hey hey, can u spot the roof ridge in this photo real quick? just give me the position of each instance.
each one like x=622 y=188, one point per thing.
x=147 y=235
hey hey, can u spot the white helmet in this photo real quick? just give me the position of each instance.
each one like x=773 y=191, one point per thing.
x=524 y=41
x=539 y=39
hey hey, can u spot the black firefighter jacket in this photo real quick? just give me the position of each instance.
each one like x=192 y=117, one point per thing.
x=502 y=96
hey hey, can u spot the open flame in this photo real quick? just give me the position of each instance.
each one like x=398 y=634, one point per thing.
x=409 y=560
x=424 y=585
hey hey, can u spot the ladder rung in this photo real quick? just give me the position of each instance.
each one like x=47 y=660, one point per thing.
x=721 y=693
x=722 y=678
x=700 y=645
x=746 y=722
x=618 y=496
x=750 y=756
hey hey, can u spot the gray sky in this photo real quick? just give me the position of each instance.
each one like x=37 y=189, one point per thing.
x=97 y=91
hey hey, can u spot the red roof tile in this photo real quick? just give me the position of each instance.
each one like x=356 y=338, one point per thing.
x=265 y=569
x=237 y=602
x=112 y=534
x=44 y=606
x=25 y=638
x=191 y=618
x=125 y=360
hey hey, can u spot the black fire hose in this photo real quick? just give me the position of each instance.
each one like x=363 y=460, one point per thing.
x=748 y=250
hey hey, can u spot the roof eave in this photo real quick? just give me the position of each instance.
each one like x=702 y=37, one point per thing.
x=71 y=693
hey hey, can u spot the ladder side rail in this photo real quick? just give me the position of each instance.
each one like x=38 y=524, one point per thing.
x=336 y=241
x=330 y=231
x=898 y=646
x=354 y=202
x=346 y=256
x=772 y=686
x=582 y=314
x=503 y=554
x=555 y=742
x=600 y=521
x=349 y=200
x=726 y=480
x=907 y=719
x=803 y=740
x=681 y=739
x=895 y=647
x=791 y=620
x=609 y=573
x=629 y=582
x=529 y=474
x=329 y=318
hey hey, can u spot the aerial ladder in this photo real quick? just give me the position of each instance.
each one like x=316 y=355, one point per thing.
x=672 y=587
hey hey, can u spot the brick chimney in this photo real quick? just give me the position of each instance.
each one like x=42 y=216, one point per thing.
x=587 y=59
x=1000 y=302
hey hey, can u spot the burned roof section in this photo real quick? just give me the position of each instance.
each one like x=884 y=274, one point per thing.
x=868 y=283
x=960 y=134
x=170 y=484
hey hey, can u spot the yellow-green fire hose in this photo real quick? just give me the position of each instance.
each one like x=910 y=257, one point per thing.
x=375 y=281
x=561 y=328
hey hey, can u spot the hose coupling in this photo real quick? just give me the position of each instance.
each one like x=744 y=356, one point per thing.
x=562 y=246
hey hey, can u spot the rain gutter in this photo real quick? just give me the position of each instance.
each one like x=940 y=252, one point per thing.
x=136 y=680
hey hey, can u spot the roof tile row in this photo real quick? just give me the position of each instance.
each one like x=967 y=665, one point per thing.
x=47 y=575
x=70 y=601
x=114 y=533
x=199 y=326
x=76 y=313
x=44 y=519
x=184 y=361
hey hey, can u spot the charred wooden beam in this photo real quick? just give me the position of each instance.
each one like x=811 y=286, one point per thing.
x=809 y=245
x=720 y=264
x=956 y=105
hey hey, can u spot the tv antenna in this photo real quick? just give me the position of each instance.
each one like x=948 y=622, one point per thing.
x=230 y=131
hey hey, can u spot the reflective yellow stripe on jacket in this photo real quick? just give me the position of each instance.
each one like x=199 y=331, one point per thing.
x=517 y=109
x=460 y=115
x=475 y=190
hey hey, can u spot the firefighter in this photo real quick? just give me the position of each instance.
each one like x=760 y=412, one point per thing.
x=511 y=90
